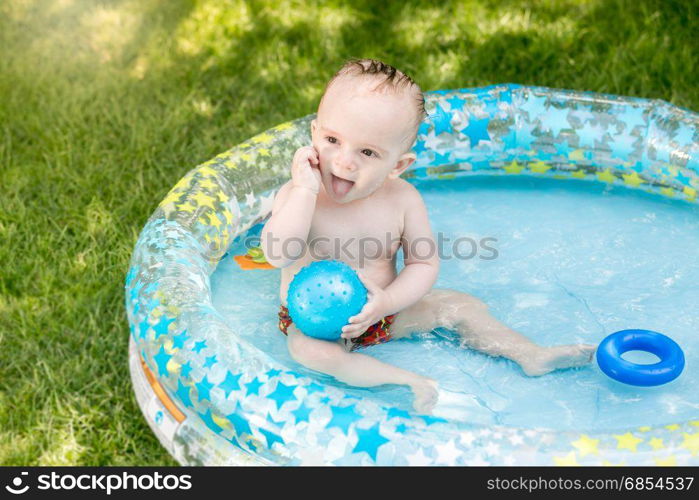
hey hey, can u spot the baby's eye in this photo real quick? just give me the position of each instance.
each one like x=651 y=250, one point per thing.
x=368 y=152
x=331 y=140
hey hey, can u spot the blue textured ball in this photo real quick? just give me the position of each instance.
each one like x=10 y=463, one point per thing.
x=323 y=296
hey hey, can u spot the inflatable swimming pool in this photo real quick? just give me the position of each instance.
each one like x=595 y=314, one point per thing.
x=214 y=397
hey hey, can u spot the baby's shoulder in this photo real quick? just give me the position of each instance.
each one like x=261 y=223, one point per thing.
x=404 y=193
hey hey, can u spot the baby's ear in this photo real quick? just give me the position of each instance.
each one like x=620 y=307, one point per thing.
x=314 y=125
x=402 y=165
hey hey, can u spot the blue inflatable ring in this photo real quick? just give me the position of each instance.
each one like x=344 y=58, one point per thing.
x=667 y=369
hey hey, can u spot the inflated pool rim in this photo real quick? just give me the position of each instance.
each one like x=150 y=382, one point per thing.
x=213 y=398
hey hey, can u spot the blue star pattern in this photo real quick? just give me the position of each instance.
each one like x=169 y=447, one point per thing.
x=343 y=417
x=183 y=394
x=230 y=384
x=161 y=360
x=562 y=148
x=282 y=394
x=456 y=103
x=143 y=327
x=286 y=417
x=239 y=423
x=302 y=413
x=397 y=413
x=253 y=386
x=210 y=361
x=477 y=130
x=209 y=421
x=179 y=340
x=186 y=369
x=369 y=441
x=555 y=120
x=271 y=438
x=441 y=120
x=161 y=327
x=204 y=388
x=419 y=147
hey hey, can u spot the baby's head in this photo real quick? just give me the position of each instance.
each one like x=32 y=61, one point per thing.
x=367 y=122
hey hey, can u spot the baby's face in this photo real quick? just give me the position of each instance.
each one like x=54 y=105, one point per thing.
x=361 y=138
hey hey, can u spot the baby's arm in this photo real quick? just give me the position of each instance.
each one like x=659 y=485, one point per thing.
x=292 y=211
x=421 y=257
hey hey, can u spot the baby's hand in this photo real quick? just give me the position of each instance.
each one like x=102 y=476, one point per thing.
x=304 y=169
x=378 y=305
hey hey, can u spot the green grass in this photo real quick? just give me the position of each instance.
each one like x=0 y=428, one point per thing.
x=104 y=105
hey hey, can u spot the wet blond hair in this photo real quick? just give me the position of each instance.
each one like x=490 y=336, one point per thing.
x=388 y=79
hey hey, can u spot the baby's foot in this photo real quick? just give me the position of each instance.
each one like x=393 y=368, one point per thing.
x=425 y=395
x=547 y=359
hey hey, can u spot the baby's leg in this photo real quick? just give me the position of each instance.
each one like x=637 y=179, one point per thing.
x=357 y=369
x=479 y=330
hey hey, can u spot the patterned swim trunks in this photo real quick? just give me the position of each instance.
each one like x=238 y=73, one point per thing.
x=378 y=333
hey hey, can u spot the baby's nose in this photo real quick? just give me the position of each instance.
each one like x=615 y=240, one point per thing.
x=344 y=161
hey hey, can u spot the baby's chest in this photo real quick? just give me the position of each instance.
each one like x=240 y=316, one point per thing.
x=355 y=236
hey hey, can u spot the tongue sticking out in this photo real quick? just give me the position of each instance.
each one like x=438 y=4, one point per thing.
x=341 y=186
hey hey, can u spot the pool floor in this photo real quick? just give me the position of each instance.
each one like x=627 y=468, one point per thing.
x=560 y=261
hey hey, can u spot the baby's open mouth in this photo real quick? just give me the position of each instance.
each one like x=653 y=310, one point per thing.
x=340 y=186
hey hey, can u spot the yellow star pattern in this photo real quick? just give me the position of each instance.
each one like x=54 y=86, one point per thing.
x=283 y=126
x=207 y=183
x=207 y=171
x=220 y=421
x=690 y=193
x=229 y=163
x=691 y=442
x=607 y=463
x=668 y=461
x=513 y=168
x=171 y=197
x=183 y=183
x=173 y=310
x=577 y=155
x=186 y=207
x=222 y=197
x=578 y=174
x=263 y=152
x=606 y=176
x=586 y=445
x=204 y=200
x=539 y=167
x=633 y=179
x=263 y=138
x=645 y=428
x=246 y=157
x=627 y=441
x=225 y=237
x=656 y=443
x=695 y=423
x=666 y=191
x=672 y=427
x=568 y=460
x=212 y=160
x=229 y=216
x=214 y=220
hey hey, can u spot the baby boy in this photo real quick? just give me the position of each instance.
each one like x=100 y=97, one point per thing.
x=345 y=191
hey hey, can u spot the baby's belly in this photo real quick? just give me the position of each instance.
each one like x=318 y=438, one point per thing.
x=382 y=272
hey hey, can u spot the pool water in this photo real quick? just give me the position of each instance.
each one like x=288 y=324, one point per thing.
x=564 y=262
